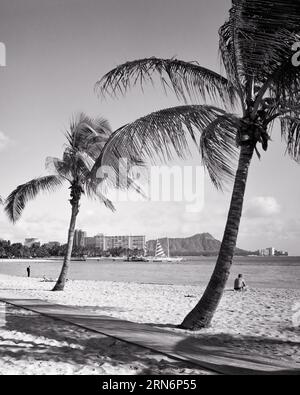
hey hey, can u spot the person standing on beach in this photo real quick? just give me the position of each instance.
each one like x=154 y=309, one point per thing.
x=28 y=271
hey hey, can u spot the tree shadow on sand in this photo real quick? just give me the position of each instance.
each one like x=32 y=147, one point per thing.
x=248 y=353
x=47 y=339
x=55 y=339
x=241 y=348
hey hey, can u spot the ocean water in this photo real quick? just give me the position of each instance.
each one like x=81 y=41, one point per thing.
x=273 y=272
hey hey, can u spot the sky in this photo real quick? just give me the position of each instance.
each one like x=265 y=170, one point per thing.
x=55 y=52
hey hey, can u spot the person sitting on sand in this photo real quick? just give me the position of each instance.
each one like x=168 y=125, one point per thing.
x=47 y=280
x=239 y=283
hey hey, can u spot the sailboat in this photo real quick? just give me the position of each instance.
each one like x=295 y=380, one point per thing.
x=160 y=255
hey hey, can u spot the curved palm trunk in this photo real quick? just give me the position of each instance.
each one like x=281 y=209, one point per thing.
x=60 y=284
x=202 y=314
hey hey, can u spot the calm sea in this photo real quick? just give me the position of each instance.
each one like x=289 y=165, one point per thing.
x=274 y=272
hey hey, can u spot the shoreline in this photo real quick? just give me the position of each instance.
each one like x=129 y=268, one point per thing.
x=269 y=275
x=185 y=258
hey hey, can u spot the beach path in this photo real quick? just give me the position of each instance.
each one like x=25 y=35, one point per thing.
x=175 y=344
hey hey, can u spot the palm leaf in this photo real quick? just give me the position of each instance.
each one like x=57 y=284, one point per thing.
x=74 y=165
x=187 y=79
x=258 y=36
x=107 y=203
x=164 y=134
x=61 y=167
x=93 y=191
x=16 y=201
x=284 y=84
x=218 y=150
x=85 y=139
x=290 y=127
x=88 y=134
x=229 y=51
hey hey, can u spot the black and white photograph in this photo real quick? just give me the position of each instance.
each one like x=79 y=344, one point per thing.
x=149 y=190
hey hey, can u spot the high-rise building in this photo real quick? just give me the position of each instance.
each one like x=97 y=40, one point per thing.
x=90 y=242
x=270 y=251
x=100 y=241
x=79 y=238
x=137 y=242
x=95 y=242
x=105 y=243
x=116 y=242
x=130 y=242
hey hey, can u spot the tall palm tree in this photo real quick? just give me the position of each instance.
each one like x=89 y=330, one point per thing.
x=85 y=140
x=261 y=85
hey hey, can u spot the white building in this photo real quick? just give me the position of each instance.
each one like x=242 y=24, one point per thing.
x=105 y=243
x=270 y=251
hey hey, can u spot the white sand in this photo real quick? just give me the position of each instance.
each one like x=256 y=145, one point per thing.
x=262 y=321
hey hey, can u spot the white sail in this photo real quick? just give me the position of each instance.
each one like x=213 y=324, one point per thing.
x=160 y=255
x=159 y=252
x=145 y=249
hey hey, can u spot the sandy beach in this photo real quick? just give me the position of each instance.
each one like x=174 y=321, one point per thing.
x=262 y=321
x=32 y=344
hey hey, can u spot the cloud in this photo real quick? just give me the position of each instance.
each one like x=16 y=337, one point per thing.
x=4 y=140
x=262 y=206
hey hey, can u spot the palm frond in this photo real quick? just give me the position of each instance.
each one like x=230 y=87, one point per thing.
x=84 y=160
x=107 y=203
x=85 y=139
x=187 y=79
x=75 y=164
x=218 y=148
x=290 y=128
x=165 y=134
x=258 y=37
x=284 y=84
x=118 y=178
x=88 y=134
x=61 y=167
x=228 y=48
x=16 y=201
x=93 y=191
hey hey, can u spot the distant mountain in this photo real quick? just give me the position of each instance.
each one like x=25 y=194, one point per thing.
x=200 y=244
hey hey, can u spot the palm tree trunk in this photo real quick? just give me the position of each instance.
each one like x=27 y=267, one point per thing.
x=60 y=284
x=202 y=314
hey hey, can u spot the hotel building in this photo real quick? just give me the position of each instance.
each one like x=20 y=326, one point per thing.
x=104 y=243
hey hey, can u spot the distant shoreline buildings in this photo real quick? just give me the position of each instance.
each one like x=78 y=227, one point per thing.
x=101 y=244
x=270 y=251
x=105 y=243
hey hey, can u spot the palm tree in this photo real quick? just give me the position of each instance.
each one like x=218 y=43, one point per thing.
x=261 y=86
x=85 y=140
